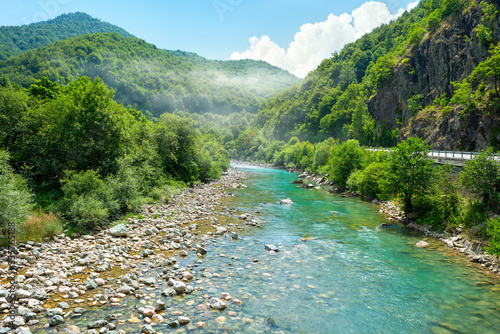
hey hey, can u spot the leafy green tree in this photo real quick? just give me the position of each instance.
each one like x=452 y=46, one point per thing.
x=409 y=172
x=346 y=158
x=489 y=69
x=450 y=7
x=481 y=175
x=43 y=88
x=369 y=181
x=357 y=119
x=434 y=20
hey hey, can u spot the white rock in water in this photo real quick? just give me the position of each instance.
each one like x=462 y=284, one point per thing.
x=217 y=304
x=422 y=244
x=179 y=286
x=221 y=230
x=286 y=202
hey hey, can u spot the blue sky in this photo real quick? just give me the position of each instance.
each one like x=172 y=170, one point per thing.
x=222 y=29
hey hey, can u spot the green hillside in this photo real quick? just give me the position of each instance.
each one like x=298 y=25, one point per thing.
x=150 y=79
x=18 y=39
x=375 y=86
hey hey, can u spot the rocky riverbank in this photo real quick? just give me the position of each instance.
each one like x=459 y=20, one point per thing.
x=455 y=239
x=63 y=278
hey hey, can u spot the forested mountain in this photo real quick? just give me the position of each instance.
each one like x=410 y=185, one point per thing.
x=400 y=80
x=18 y=39
x=151 y=79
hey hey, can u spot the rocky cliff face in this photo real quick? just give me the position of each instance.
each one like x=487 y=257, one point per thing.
x=449 y=54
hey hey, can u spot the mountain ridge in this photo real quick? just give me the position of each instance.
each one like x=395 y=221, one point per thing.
x=15 y=40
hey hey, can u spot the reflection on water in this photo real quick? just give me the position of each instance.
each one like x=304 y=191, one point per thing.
x=335 y=272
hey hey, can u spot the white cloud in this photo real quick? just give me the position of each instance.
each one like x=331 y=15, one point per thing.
x=317 y=41
x=412 y=5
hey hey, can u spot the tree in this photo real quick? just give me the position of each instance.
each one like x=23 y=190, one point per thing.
x=346 y=158
x=44 y=88
x=481 y=175
x=409 y=172
x=489 y=69
x=357 y=119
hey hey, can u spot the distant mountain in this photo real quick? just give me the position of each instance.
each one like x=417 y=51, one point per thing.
x=151 y=79
x=15 y=40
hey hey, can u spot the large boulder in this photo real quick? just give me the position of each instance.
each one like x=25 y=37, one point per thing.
x=119 y=230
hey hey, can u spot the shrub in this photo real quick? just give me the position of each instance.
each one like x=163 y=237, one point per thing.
x=354 y=180
x=485 y=35
x=415 y=104
x=87 y=201
x=39 y=226
x=493 y=232
x=369 y=183
x=472 y=214
x=125 y=188
x=88 y=212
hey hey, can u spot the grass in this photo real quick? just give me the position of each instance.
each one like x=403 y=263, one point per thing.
x=39 y=226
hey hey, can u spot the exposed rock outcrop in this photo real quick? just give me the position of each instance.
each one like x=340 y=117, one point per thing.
x=448 y=55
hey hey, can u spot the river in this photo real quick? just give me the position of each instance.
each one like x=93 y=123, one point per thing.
x=336 y=272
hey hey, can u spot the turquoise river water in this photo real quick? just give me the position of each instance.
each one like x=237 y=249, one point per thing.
x=336 y=272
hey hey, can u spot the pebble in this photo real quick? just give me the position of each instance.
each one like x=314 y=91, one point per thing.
x=217 y=304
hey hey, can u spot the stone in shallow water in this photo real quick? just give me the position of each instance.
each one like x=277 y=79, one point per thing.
x=217 y=304
x=147 y=329
x=183 y=320
x=271 y=247
x=422 y=244
x=169 y=292
x=179 y=286
x=90 y=284
x=56 y=320
x=286 y=201
x=97 y=324
x=63 y=305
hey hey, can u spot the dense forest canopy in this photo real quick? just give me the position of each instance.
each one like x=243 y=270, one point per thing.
x=15 y=40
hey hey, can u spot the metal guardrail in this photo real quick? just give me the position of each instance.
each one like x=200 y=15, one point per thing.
x=464 y=155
